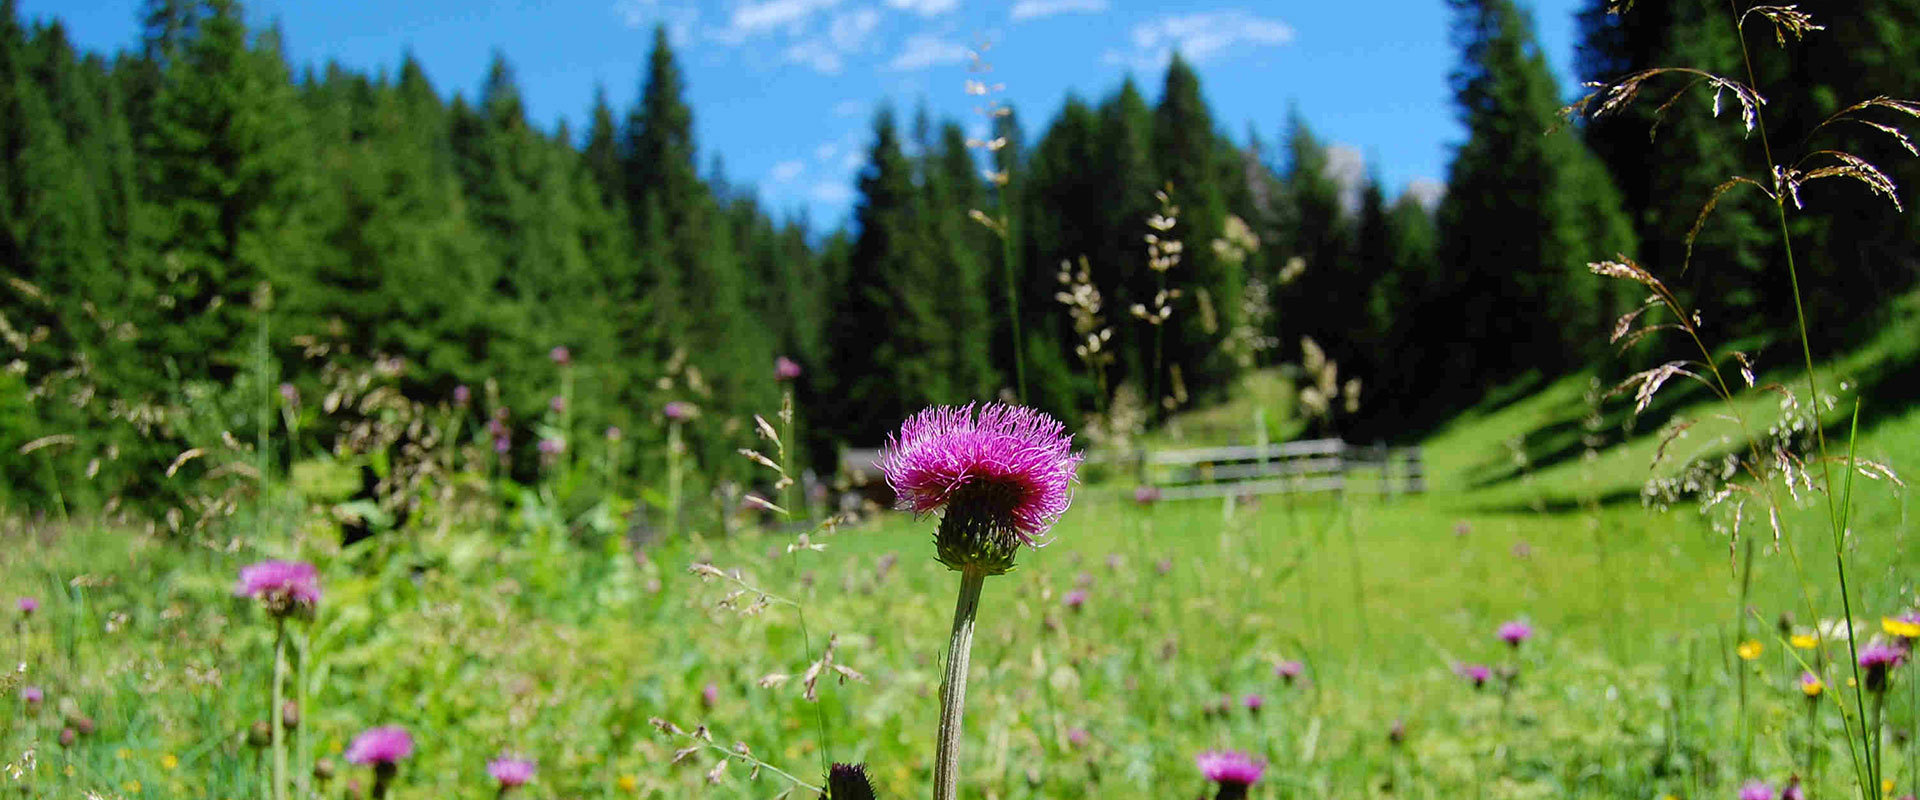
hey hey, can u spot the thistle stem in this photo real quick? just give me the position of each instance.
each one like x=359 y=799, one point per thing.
x=273 y=712
x=953 y=689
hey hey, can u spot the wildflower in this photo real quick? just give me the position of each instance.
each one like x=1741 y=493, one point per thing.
x=1254 y=703
x=32 y=696
x=1793 y=790
x=290 y=393
x=1075 y=599
x=67 y=737
x=561 y=355
x=552 y=446
x=1749 y=649
x=677 y=411
x=383 y=749
x=1288 y=670
x=502 y=444
x=323 y=770
x=1522 y=550
x=283 y=587
x=1478 y=674
x=1078 y=737
x=848 y=782
x=462 y=395
x=628 y=783
x=290 y=715
x=27 y=606
x=510 y=772
x=1233 y=771
x=558 y=403
x=1001 y=477
x=1811 y=685
x=169 y=762
x=1163 y=566
x=785 y=369
x=1146 y=495
x=1905 y=626
x=1756 y=790
x=384 y=745
x=710 y=695
x=613 y=433
x=1515 y=632
x=1878 y=659
x=1397 y=733
x=1802 y=641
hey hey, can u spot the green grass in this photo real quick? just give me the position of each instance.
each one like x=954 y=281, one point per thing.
x=483 y=630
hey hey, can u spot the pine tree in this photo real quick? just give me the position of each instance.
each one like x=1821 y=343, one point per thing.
x=1188 y=158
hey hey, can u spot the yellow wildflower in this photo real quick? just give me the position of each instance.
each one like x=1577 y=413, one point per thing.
x=629 y=783
x=1904 y=629
x=1886 y=786
x=1750 y=649
x=130 y=787
x=169 y=761
x=1812 y=688
x=1804 y=641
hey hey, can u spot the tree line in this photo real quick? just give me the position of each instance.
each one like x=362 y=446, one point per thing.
x=196 y=213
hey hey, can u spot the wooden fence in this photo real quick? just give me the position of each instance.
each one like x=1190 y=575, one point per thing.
x=1313 y=465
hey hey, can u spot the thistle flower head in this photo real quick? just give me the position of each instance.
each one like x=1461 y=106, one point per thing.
x=1878 y=659
x=1793 y=790
x=290 y=393
x=462 y=395
x=785 y=369
x=848 y=782
x=1146 y=495
x=1811 y=685
x=384 y=745
x=32 y=695
x=552 y=446
x=1230 y=768
x=1288 y=671
x=1515 y=632
x=510 y=771
x=677 y=411
x=1756 y=790
x=1075 y=599
x=1477 y=674
x=1002 y=474
x=27 y=606
x=284 y=587
x=561 y=355
x=1254 y=702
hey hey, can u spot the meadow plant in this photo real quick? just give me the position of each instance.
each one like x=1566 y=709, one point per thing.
x=383 y=749
x=1234 y=773
x=286 y=589
x=1515 y=632
x=1001 y=476
x=510 y=772
x=1756 y=790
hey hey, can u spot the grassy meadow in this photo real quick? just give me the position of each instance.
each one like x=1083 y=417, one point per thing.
x=483 y=627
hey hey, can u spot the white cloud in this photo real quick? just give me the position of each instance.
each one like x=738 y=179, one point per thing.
x=848 y=108
x=1038 y=9
x=1199 y=37
x=788 y=170
x=816 y=54
x=756 y=18
x=922 y=51
x=850 y=30
x=644 y=13
x=925 y=8
x=1347 y=167
x=831 y=193
x=847 y=33
x=1427 y=191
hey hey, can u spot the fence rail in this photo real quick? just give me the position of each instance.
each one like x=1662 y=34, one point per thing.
x=1314 y=465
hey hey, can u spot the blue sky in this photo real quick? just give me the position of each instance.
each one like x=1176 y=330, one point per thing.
x=784 y=90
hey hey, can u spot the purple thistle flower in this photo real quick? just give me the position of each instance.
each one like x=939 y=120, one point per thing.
x=1146 y=495
x=32 y=696
x=1878 y=659
x=1793 y=790
x=561 y=355
x=1478 y=674
x=1254 y=702
x=1163 y=566
x=1288 y=671
x=677 y=411
x=1515 y=632
x=462 y=395
x=1009 y=463
x=511 y=771
x=552 y=446
x=290 y=393
x=282 y=586
x=558 y=404
x=785 y=369
x=1756 y=790
x=27 y=606
x=613 y=433
x=1229 y=768
x=502 y=444
x=1075 y=599
x=1078 y=737
x=710 y=695
x=384 y=745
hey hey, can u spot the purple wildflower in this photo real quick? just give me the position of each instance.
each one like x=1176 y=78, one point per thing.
x=511 y=771
x=1253 y=702
x=1012 y=464
x=785 y=369
x=1146 y=495
x=1878 y=659
x=383 y=745
x=1478 y=674
x=502 y=444
x=558 y=404
x=1230 y=769
x=1515 y=632
x=1288 y=671
x=282 y=586
x=290 y=393
x=1078 y=737
x=613 y=433
x=710 y=695
x=27 y=606
x=1163 y=566
x=1793 y=790
x=1075 y=599
x=462 y=395
x=677 y=411
x=561 y=355
x=32 y=696
x=552 y=446
x=1756 y=790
